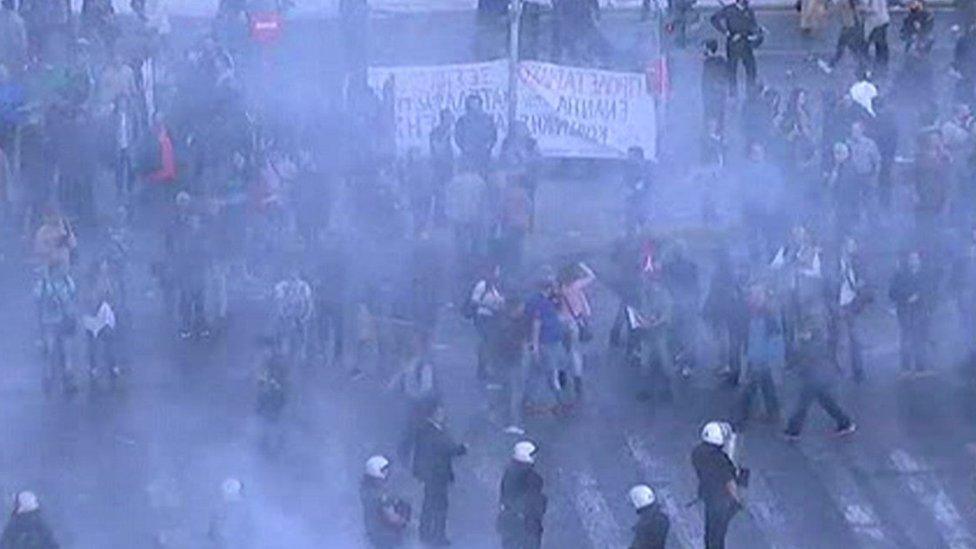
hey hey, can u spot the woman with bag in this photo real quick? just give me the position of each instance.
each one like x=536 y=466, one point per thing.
x=99 y=322
x=575 y=309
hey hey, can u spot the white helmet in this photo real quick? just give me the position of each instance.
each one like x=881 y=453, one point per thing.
x=26 y=502
x=376 y=467
x=524 y=452
x=232 y=489
x=716 y=432
x=641 y=496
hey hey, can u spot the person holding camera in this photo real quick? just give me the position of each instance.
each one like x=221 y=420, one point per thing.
x=718 y=480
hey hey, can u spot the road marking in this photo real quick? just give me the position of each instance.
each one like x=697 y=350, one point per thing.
x=601 y=528
x=686 y=524
x=859 y=513
x=926 y=487
x=765 y=509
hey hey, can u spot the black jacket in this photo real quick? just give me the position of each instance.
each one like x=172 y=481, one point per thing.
x=521 y=501
x=375 y=499
x=714 y=470
x=904 y=285
x=475 y=134
x=27 y=531
x=734 y=21
x=434 y=454
x=651 y=531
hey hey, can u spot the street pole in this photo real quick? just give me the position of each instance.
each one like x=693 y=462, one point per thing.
x=661 y=53
x=515 y=24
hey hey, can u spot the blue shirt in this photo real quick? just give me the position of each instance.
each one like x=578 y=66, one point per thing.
x=541 y=308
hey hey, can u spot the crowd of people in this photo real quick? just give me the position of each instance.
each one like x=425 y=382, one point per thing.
x=234 y=199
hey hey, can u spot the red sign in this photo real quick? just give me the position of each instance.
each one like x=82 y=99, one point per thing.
x=266 y=26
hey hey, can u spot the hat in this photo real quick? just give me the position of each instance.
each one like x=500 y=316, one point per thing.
x=26 y=502
x=863 y=93
x=376 y=467
x=232 y=489
x=524 y=452
x=641 y=496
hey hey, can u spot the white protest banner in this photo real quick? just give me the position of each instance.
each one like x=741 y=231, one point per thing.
x=420 y=93
x=586 y=113
x=572 y=112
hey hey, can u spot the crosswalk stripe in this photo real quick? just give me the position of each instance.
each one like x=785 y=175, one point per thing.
x=923 y=484
x=601 y=527
x=686 y=526
x=765 y=508
x=858 y=512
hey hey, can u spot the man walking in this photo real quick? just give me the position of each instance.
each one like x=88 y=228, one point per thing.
x=817 y=369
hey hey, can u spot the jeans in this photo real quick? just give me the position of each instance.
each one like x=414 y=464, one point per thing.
x=850 y=326
x=433 y=513
x=761 y=382
x=516 y=372
x=543 y=371
x=819 y=391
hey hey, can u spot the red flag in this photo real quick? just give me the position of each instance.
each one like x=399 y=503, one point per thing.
x=658 y=77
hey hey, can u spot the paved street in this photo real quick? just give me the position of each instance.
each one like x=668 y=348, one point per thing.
x=128 y=469
x=113 y=470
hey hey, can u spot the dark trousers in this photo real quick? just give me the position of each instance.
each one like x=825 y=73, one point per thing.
x=741 y=52
x=123 y=173
x=913 y=342
x=816 y=391
x=101 y=350
x=330 y=323
x=850 y=39
x=761 y=382
x=191 y=307
x=879 y=39
x=433 y=513
x=718 y=515
x=884 y=179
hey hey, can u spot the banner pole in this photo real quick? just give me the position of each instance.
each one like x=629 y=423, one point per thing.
x=515 y=23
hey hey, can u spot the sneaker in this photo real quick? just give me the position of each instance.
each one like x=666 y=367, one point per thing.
x=825 y=66
x=686 y=372
x=494 y=386
x=791 y=437
x=849 y=429
x=514 y=430
x=923 y=373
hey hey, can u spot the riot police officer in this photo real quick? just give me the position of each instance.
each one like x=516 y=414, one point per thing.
x=718 y=480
